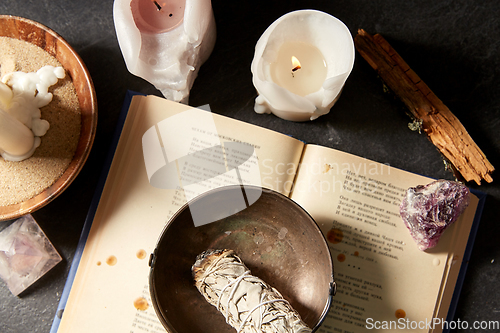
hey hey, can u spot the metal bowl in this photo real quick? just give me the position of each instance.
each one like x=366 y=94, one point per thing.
x=278 y=241
x=47 y=39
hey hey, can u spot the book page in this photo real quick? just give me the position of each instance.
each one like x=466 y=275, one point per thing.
x=110 y=292
x=383 y=279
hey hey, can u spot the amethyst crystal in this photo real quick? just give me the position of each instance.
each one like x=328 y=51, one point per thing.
x=427 y=210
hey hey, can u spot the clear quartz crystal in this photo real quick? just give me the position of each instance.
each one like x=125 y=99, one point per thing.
x=427 y=210
x=26 y=254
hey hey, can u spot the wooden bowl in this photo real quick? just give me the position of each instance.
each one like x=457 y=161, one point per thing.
x=39 y=35
x=276 y=239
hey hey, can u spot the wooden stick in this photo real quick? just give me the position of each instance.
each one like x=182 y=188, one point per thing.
x=443 y=129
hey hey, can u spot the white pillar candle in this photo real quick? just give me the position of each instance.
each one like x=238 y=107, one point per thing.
x=306 y=89
x=165 y=42
x=16 y=140
x=300 y=68
x=21 y=125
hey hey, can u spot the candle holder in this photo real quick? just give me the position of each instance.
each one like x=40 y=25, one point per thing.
x=300 y=65
x=39 y=35
x=165 y=43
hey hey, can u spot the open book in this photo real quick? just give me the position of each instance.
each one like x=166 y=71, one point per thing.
x=381 y=274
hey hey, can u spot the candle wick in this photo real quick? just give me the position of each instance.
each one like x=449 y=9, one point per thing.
x=296 y=68
x=157 y=5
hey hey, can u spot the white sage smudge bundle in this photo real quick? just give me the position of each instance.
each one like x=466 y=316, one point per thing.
x=249 y=304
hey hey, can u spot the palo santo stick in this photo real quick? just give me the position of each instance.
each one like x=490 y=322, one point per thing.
x=249 y=304
x=443 y=129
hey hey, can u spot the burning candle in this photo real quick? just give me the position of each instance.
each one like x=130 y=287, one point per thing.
x=165 y=42
x=300 y=65
x=300 y=68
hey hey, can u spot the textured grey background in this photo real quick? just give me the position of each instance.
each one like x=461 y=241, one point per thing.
x=454 y=46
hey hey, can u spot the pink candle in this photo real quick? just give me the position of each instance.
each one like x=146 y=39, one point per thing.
x=157 y=16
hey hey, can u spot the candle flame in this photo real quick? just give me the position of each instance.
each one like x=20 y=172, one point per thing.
x=295 y=64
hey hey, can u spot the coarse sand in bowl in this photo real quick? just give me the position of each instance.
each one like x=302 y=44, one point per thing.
x=20 y=181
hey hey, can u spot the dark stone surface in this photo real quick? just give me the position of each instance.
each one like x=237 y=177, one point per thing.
x=452 y=45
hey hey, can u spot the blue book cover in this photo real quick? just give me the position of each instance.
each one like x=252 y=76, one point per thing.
x=91 y=213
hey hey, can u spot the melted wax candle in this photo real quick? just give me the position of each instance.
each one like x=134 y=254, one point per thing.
x=157 y=16
x=325 y=50
x=165 y=42
x=15 y=138
x=21 y=125
x=300 y=68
